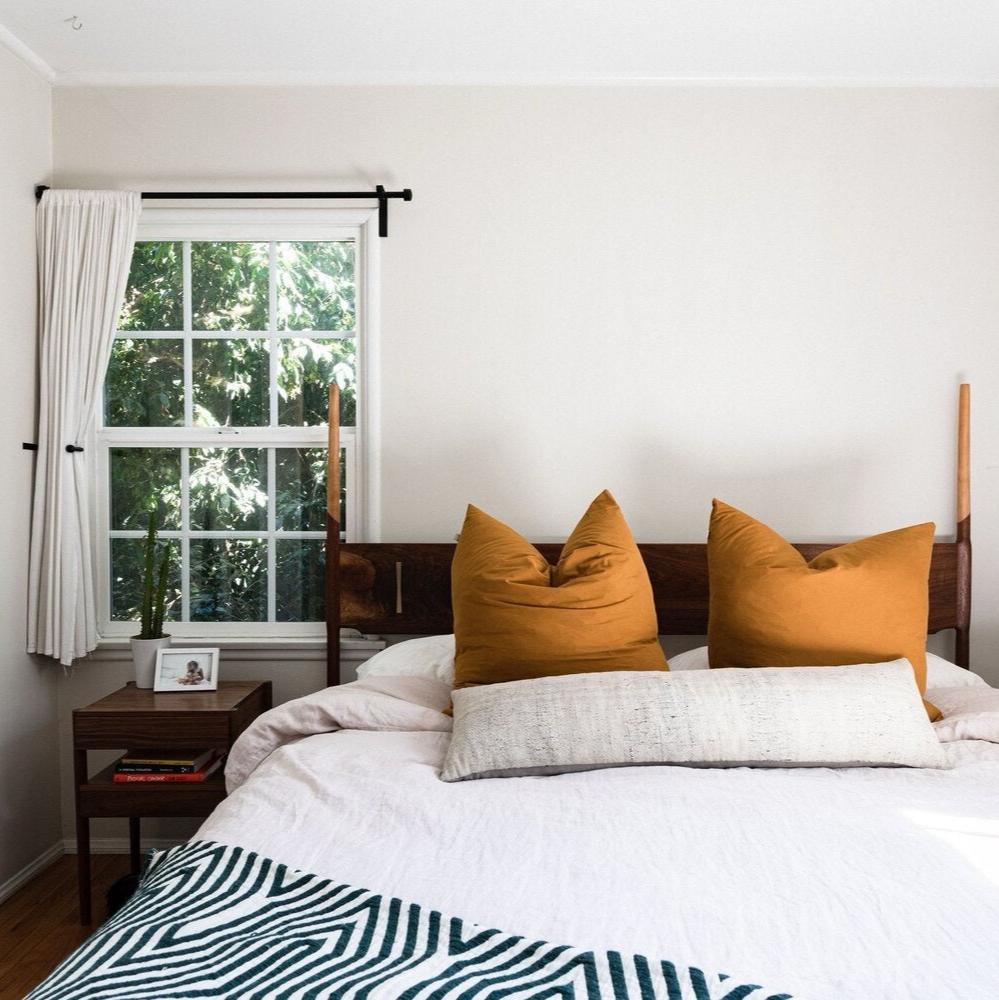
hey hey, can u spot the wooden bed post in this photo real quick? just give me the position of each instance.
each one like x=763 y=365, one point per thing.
x=333 y=540
x=963 y=531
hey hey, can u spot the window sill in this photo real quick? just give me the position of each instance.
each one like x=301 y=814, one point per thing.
x=262 y=648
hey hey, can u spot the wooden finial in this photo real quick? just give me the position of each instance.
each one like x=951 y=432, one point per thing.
x=964 y=463
x=962 y=634
x=332 y=588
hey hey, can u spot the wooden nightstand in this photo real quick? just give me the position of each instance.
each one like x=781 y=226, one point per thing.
x=135 y=719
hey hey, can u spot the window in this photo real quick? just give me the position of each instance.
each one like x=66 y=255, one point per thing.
x=214 y=415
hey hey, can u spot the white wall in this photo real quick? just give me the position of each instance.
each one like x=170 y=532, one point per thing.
x=765 y=295
x=29 y=762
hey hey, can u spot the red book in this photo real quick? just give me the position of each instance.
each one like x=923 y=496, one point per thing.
x=210 y=768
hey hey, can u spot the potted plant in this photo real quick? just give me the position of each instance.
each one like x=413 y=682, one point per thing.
x=151 y=638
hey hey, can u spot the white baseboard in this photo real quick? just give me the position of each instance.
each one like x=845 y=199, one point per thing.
x=119 y=845
x=98 y=845
x=30 y=870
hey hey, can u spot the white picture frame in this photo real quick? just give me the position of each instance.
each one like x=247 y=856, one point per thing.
x=186 y=669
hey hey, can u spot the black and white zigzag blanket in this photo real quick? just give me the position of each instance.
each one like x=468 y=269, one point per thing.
x=215 y=921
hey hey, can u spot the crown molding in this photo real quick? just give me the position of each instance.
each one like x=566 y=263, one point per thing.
x=324 y=78
x=28 y=56
x=461 y=78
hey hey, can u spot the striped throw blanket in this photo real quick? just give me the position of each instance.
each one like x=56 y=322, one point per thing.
x=214 y=921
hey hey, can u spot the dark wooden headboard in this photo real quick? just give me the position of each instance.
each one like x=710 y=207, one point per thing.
x=404 y=588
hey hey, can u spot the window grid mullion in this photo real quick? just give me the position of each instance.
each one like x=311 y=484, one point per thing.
x=271 y=540
x=185 y=534
x=272 y=396
x=272 y=332
x=233 y=334
x=185 y=453
x=149 y=334
x=188 y=347
x=208 y=437
x=177 y=534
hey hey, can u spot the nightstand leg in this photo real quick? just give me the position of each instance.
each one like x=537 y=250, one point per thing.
x=83 y=866
x=134 y=846
x=82 y=838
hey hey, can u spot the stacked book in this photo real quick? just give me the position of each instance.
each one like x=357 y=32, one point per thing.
x=167 y=765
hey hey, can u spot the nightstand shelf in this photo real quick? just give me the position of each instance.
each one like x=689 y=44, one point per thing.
x=134 y=719
x=102 y=796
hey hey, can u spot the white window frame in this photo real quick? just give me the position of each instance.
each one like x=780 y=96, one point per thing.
x=359 y=443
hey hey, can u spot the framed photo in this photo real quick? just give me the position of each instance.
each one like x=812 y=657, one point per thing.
x=186 y=670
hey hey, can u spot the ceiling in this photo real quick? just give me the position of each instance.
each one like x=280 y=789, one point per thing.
x=786 y=42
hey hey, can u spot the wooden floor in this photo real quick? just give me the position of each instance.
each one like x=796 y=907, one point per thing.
x=40 y=924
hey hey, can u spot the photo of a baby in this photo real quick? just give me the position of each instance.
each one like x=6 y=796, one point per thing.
x=187 y=670
x=194 y=675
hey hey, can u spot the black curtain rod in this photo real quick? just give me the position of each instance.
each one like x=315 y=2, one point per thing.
x=379 y=194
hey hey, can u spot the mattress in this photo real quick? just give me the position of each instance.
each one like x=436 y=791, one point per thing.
x=830 y=884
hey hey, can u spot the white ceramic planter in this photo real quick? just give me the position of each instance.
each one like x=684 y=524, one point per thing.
x=144 y=659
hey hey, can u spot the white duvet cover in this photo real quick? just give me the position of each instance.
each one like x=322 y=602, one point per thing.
x=853 y=884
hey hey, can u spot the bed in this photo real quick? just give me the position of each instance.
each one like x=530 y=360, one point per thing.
x=342 y=866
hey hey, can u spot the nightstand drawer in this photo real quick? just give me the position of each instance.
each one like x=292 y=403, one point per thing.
x=150 y=730
x=133 y=718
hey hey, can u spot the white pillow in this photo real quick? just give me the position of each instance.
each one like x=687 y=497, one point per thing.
x=692 y=659
x=867 y=714
x=939 y=672
x=428 y=656
x=969 y=713
x=433 y=656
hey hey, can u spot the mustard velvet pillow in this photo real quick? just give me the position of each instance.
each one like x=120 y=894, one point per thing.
x=864 y=602
x=516 y=616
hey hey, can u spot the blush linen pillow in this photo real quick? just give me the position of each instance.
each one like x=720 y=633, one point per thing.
x=940 y=673
x=969 y=713
x=516 y=616
x=863 y=602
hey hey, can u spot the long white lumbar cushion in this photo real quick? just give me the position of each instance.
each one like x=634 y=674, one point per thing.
x=860 y=715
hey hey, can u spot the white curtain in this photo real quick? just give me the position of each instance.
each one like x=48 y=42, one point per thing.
x=85 y=241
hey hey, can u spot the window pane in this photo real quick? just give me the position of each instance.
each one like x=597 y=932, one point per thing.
x=228 y=489
x=284 y=335
x=300 y=489
x=229 y=285
x=228 y=580
x=231 y=382
x=306 y=369
x=154 y=297
x=127 y=574
x=141 y=480
x=315 y=286
x=145 y=384
x=299 y=584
